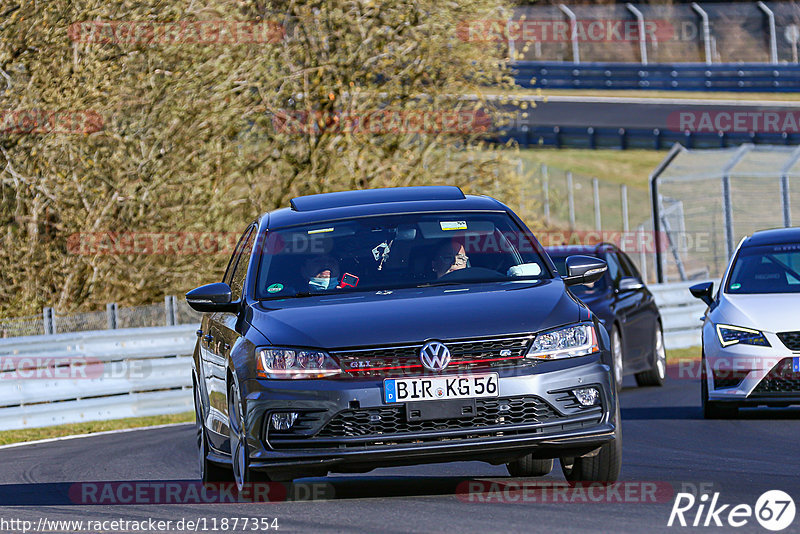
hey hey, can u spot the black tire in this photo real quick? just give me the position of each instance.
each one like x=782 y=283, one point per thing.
x=209 y=471
x=712 y=409
x=603 y=467
x=240 y=453
x=617 y=357
x=528 y=466
x=657 y=374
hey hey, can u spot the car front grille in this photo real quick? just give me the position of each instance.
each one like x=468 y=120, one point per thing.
x=465 y=355
x=388 y=425
x=790 y=339
x=780 y=380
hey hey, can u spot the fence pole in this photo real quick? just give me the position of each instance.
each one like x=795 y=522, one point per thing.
x=786 y=203
x=642 y=34
x=111 y=315
x=623 y=191
x=642 y=255
x=573 y=23
x=47 y=321
x=546 y=193
x=706 y=31
x=598 y=223
x=169 y=309
x=773 y=41
x=571 y=201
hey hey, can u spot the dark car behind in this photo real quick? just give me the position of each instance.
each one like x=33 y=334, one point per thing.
x=626 y=308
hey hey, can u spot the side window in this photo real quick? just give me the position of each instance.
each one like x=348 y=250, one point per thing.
x=237 y=268
x=628 y=267
x=613 y=266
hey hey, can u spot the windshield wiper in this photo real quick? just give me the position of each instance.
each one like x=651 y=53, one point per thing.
x=438 y=284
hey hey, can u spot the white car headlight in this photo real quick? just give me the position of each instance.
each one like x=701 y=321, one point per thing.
x=570 y=342
x=731 y=335
x=277 y=362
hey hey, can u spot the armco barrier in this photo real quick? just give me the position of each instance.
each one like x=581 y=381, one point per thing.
x=147 y=371
x=120 y=373
x=754 y=77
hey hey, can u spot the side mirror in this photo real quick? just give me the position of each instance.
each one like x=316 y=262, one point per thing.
x=704 y=292
x=211 y=298
x=629 y=283
x=584 y=270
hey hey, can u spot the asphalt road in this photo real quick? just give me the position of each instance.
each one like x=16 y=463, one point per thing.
x=667 y=445
x=623 y=112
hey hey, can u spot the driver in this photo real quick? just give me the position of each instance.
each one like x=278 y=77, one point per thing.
x=322 y=273
x=449 y=257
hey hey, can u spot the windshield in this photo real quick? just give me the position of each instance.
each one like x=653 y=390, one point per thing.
x=766 y=269
x=396 y=251
x=580 y=290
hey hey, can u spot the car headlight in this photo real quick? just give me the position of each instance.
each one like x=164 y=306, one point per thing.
x=570 y=342
x=731 y=335
x=295 y=363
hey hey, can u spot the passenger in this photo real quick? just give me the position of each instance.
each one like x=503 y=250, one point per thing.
x=322 y=273
x=450 y=257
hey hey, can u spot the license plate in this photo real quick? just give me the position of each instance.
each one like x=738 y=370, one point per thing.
x=796 y=364
x=439 y=388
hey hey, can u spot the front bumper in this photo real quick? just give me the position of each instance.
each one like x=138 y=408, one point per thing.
x=748 y=374
x=336 y=433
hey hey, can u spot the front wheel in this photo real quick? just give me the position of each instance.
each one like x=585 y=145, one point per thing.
x=604 y=466
x=209 y=471
x=616 y=353
x=240 y=454
x=528 y=466
x=656 y=375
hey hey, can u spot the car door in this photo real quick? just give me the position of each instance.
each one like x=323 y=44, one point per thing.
x=215 y=346
x=646 y=312
x=631 y=298
x=624 y=305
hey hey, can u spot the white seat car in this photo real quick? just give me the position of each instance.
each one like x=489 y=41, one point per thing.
x=751 y=330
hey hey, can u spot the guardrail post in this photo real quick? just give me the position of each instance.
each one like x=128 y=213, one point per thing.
x=170 y=309
x=623 y=141
x=546 y=193
x=48 y=321
x=598 y=223
x=592 y=137
x=111 y=315
x=571 y=201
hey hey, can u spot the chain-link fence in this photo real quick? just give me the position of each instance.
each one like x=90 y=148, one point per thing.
x=710 y=32
x=173 y=311
x=584 y=210
x=709 y=199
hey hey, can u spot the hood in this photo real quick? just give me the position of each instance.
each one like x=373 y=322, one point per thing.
x=772 y=312
x=416 y=315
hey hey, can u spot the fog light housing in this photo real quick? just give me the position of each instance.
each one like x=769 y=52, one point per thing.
x=283 y=420
x=587 y=396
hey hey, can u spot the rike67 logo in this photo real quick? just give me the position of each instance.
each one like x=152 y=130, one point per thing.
x=774 y=510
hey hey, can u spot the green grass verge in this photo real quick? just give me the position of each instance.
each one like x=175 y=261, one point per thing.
x=677 y=355
x=90 y=427
x=629 y=167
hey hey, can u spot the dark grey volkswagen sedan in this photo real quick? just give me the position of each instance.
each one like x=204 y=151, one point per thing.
x=390 y=327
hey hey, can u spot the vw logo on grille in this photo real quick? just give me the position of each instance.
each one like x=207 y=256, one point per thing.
x=434 y=356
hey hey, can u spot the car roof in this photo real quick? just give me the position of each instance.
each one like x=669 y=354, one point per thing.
x=385 y=201
x=776 y=236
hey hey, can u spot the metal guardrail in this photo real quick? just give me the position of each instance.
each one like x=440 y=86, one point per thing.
x=138 y=372
x=636 y=138
x=752 y=77
x=91 y=376
x=681 y=313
